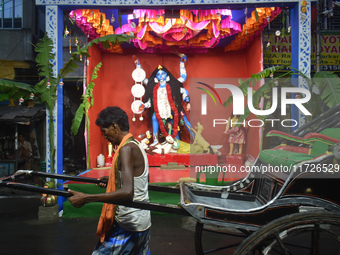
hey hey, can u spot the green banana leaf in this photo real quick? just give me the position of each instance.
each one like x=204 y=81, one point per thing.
x=4 y=96
x=329 y=85
x=10 y=89
x=8 y=84
x=69 y=67
x=44 y=49
x=329 y=89
x=78 y=118
x=87 y=101
x=243 y=85
x=83 y=110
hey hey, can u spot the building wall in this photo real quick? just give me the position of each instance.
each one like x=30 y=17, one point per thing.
x=16 y=44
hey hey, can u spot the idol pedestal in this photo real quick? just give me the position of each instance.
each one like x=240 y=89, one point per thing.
x=234 y=167
x=234 y=159
x=203 y=159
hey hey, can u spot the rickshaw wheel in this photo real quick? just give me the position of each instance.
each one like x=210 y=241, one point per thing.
x=212 y=239
x=299 y=233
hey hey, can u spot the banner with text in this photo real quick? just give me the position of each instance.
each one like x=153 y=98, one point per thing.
x=278 y=52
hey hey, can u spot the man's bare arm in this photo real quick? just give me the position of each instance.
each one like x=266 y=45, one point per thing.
x=124 y=194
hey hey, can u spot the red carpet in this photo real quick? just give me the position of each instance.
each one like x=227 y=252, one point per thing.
x=198 y=163
x=157 y=175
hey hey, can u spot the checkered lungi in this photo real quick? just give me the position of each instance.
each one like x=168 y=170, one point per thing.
x=123 y=242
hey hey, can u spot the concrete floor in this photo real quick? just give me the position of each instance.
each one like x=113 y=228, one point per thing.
x=22 y=233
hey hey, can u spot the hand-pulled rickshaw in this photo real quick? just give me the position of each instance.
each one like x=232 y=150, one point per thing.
x=287 y=204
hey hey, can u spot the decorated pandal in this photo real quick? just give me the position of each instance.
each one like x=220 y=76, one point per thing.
x=166 y=31
x=197 y=30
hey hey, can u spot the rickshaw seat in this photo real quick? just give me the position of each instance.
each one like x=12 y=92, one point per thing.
x=320 y=143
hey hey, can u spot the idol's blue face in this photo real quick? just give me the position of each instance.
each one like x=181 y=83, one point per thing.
x=161 y=75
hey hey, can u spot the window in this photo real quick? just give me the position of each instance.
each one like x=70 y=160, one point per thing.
x=10 y=13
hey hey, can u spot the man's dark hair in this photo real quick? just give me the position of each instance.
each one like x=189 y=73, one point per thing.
x=113 y=114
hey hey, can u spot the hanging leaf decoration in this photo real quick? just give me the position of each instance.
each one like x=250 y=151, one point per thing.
x=283 y=24
x=256 y=15
x=71 y=20
x=101 y=21
x=120 y=19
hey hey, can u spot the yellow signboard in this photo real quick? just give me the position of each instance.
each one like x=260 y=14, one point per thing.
x=278 y=52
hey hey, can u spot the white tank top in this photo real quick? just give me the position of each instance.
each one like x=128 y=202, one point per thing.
x=133 y=219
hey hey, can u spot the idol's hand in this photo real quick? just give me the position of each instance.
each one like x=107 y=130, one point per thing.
x=135 y=60
x=183 y=58
x=188 y=107
x=147 y=104
x=141 y=107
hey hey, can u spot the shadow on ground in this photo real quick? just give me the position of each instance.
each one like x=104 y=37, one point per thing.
x=22 y=232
